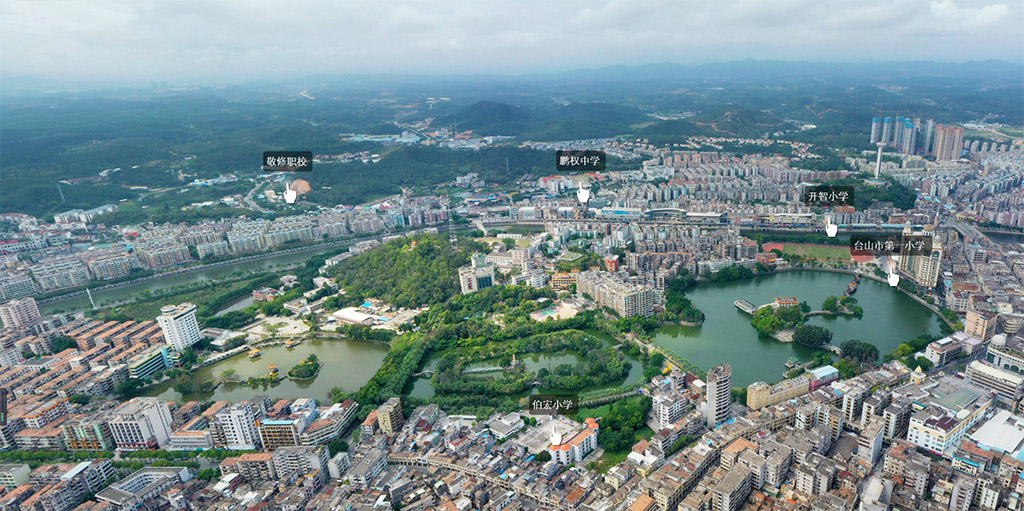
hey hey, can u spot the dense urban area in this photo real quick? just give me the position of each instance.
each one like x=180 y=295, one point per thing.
x=509 y=337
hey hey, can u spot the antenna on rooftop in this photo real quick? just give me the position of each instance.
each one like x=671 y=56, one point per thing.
x=452 y=240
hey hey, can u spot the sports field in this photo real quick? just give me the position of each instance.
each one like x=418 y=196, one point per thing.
x=840 y=252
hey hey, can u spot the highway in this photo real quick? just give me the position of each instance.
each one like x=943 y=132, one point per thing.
x=251 y=202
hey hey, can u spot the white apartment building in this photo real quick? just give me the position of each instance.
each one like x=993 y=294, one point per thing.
x=576 y=447
x=20 y=312
x=1009 y=385
x=610 y=290
x=668 y=408
x=940 y=429
x=141 y=423
x=238 y=424
x=179 y=325
x=476 y=276
x=60 y=273
x=869 y=443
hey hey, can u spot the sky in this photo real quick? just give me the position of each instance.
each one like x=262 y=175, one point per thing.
x=237 y=40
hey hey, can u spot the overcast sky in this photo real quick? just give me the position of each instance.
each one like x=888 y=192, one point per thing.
x=237 y=40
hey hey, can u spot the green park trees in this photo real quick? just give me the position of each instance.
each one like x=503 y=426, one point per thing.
x=812 y=335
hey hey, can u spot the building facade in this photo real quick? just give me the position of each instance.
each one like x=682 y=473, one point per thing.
x=719 y=395
x=179 y=324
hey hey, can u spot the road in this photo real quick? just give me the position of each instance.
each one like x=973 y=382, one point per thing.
x=500 y=221
x=251 y=202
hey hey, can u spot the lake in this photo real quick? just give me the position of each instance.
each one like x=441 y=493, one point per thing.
x=346 y=363
x=890 y=318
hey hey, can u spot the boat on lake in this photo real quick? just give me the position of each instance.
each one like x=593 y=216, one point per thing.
x=255 y=353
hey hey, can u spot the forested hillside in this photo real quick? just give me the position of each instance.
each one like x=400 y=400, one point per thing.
x=407 y=272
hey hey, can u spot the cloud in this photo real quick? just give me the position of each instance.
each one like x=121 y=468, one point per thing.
x=947 y=11
x=234 y=40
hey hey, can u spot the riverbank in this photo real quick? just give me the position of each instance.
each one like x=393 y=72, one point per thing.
x=200 y=267
x=681 y=322
x=784 y=335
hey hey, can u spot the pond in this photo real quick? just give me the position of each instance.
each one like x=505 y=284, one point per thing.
x=347 y=364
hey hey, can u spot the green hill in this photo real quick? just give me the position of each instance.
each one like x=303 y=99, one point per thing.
x=407 y=272
x=489 y=118
x=572 y=121
x=735 y=122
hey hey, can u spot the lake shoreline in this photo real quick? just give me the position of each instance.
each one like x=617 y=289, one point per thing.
x=726 y=334
x=785 y=335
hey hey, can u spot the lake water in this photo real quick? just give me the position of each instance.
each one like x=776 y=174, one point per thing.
x=890 y=318
x=346 y=363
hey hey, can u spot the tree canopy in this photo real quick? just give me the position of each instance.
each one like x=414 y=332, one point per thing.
x=407 y=272
x=858 y=350
x=812 y=335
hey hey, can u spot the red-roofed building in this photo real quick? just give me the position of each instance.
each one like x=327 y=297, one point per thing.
x=576 y=447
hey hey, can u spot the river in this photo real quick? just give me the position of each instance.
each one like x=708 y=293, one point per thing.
x=346 y=363
x=890 y=318
x=107 y=296
x=1005 y=237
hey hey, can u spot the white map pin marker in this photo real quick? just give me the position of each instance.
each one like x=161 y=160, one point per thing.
x=830 y=228
x=894 y=274
x=583 y=194
x=289 y=194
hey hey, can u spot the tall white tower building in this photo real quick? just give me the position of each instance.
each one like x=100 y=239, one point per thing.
x=719 y=394
x=179 y=324
x=20 y=312
x=876 y=130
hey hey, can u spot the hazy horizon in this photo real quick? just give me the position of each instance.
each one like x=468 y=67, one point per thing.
x=227 y=41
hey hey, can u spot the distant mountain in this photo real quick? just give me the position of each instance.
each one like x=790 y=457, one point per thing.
x=575 y=120
x=600 y=112
x=741 y=122
x=775 y=71
x=489 y=118
x=719 y=122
